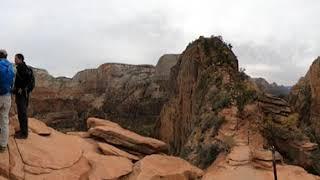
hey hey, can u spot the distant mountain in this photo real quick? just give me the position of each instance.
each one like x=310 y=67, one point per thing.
x=273 y=88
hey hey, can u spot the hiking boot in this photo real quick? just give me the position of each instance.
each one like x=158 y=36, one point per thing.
x=2 y=149
x=20 y=135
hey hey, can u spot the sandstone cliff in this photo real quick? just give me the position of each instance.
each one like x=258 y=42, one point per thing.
x=215 y=108
x=204 y=81
x=305 y=98
x=132 y=95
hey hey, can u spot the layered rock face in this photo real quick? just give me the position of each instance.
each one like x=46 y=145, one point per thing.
x=202 y=82
x=305 y=99
x=281 y=129
x=132 y=95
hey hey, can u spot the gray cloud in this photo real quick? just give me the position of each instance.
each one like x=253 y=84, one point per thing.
x=273 y=39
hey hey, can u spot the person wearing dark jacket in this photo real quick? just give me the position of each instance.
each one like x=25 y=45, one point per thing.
x=22 y=95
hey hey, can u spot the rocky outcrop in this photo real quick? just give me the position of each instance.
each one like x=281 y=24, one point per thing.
x=274 y=106
x=101 y=167
x=203 y=83
x=167 y=167
x=61 y=156
x=280 y=127
x=249 y=157
x=127 y=139
x=164 y=65
x=111 y=150
x=305 y=99
x=132 y=95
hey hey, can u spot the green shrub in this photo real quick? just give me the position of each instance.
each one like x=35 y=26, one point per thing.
x=220 y=100
x=315 y=168
x=185 y=152
x=290 y=121
x=244 y=97
x=207 y=154
x=286 y=131
x=212 y=121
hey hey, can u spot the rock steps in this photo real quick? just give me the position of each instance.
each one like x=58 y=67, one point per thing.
x=252 y=161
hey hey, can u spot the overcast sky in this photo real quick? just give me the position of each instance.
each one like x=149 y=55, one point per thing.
x=274 y=39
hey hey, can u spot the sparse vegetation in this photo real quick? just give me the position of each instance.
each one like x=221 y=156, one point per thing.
x=242 y=74
x=285 y=131
x=212 y=121
x=290 y=121
x=315 y=157
x=208 y=153
x=220 y=100
x=306 y=104
x=244 y=97
x=185 y=152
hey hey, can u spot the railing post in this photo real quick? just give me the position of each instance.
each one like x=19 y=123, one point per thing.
x=274 y=163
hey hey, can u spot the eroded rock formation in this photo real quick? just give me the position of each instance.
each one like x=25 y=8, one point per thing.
x=132 y=95
x=305 y=99
x=203 y=83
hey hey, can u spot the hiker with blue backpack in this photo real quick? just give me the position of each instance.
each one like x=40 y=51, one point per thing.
x=23 y=85
x=6 y=83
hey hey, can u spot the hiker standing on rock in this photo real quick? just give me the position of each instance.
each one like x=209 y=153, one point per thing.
x=23 y=86
x=6 y=83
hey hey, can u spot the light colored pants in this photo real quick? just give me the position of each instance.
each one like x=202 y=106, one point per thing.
x=5 y=105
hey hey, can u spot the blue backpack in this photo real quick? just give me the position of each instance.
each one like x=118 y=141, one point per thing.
x=6 y=76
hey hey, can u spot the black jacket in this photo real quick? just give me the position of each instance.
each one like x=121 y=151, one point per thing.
x=21 y=81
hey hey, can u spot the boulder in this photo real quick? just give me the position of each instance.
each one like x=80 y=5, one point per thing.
x=107 y=167
x=95 y=122
x=309 y=146
x=265 y=155
x=39 y=127
x=164 y=167
x=111 y=150
x=128 y=139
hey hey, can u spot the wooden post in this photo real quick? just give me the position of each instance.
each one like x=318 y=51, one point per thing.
x=274 y=163
x=248 y=136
